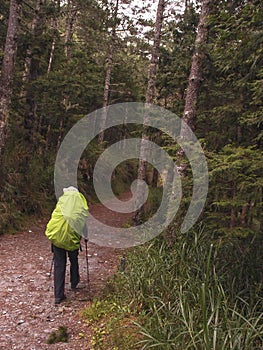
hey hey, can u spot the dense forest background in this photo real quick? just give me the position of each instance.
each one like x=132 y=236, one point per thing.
x=72 y=57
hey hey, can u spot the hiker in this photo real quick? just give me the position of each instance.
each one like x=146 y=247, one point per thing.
x=64 y=230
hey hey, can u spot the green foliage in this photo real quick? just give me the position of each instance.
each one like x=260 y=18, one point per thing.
x=175 y=59
x=123 y=176
x=111 y=323
x=202 y=290
x=153 y=202
x=235 y=190
x=56 y=100
x=60 y=335
x=230 y=118
x=27 y=187
x=189 y=298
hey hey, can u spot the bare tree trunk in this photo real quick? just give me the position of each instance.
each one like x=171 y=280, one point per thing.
x=108 y=74
x=71 y=18
x=233 y=218
x=193 y=89
x=150 y=93
x=60 y=133
x=54 y=25
x=186 y=7
x=28 y=59
x=31 y=73
x=52 y=50
x=106 y=93
x=8 y=66
x=196 y=73
x=195 y=78
x=244 y=214
x=155 y=176
x=47 y=138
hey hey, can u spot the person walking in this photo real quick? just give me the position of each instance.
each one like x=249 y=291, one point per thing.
x=65 y=229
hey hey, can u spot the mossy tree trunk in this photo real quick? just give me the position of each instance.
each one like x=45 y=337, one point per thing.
x=192 y=93
x=8 y=67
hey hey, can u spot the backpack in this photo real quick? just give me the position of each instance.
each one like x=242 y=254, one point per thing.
x=68 y=221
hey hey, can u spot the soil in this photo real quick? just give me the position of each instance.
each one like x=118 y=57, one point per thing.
x=28 y=313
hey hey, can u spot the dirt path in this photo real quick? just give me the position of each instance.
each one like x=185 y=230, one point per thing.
x=27 y=311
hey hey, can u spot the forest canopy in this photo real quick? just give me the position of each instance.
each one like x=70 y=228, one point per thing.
x=66 y=51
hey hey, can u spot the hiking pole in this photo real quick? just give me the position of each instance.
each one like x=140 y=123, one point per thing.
x=52 y=263
x=87 y=262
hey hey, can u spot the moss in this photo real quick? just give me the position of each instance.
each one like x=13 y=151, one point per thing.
x=60 y=335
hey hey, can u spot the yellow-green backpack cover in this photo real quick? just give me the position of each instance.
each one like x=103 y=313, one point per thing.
x=68 y=220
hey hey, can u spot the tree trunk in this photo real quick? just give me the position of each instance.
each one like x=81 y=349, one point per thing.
x=195 y=78
x=8 y=66
x=47 y=138
x=232 y=218
x=28 y=59
x=108 y=74
x=52 y=50
x=155 y=176
x=71 y=18
x=186 y=7
x=60 y=133
x=193 y=89
x=54 y=25
x=31 y=72
x=244 y=214
x=150 y=93
x=196 y=73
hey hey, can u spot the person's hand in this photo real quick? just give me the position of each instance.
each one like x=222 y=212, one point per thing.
x=85 y=233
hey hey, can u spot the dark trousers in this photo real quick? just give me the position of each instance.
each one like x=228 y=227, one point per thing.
x=60 y=262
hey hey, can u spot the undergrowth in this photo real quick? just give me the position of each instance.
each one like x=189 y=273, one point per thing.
x=60 y=335
x=112 y=325
x=185 y=296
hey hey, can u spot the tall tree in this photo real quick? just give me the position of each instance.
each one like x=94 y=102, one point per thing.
x=54 y=26
x=192 y=93
x=31 y=68
x=72 y=10
x=150 y=93
x=8 y=66
x=28 y=60
x=109 y=67
x=195 y=78
x=196 y=73
x=232 y=102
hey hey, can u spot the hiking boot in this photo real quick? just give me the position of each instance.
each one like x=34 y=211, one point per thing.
x=59 y=300
x=74 y=286
x=77 y=287
x=76 y=282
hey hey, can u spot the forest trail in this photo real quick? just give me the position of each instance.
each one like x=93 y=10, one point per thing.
x=28 y=314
